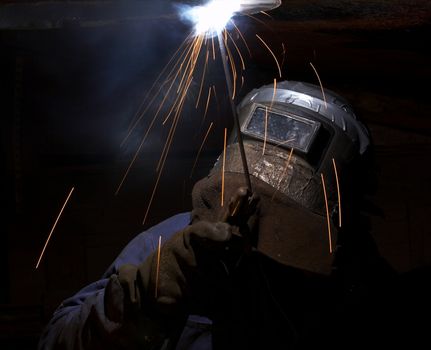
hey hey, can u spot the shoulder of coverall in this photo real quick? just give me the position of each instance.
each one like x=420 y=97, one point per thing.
x=140 y=247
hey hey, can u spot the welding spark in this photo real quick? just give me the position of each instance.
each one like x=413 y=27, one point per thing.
x=213 y=47
x=283 y=53
x=223 y=167
x=211 y=22
x=278 y=144
x=242 y=37
x=158 y=266
x=320 y=83
x=237 y=50
x=225 y=51
x=272 y=53
x=143 y=141
x=166 y=148
x=173 y=128
x=284 y=173
x=266 y=115
x=216 y=99
x=53 y=228
x=274 y=92
x=338 y=191
x=257 y=20
x=266 y=131
x=327 y=214
x=140 y=113
x=202 y=80
x=200 y=149
x=207 y=104
x=266 y=14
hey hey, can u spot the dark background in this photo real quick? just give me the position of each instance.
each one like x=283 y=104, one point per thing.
x=72 y=76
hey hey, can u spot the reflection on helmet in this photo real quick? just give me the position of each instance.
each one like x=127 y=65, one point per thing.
x=281 y=128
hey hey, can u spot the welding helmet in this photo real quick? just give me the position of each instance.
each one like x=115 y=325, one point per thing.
x=307 y=153
x=318 y=130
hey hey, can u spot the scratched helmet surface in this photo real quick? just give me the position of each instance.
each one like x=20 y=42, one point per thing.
x=296 y=134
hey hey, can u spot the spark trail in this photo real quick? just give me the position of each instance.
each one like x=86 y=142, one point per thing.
x=53 y=227
x=159 y=247
x=200 y=149
x=223 y=167
x=327 y=214
x=320 y=83
x=338 y=192
x=171 y=90
x=272 y=53
x=283 y=174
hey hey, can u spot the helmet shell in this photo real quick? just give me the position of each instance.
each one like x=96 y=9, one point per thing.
x=341 y=142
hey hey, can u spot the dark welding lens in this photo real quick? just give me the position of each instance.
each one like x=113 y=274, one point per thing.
x=282 y=129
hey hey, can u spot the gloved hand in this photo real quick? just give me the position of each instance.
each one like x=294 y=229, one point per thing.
x=189 y=264
x=157 y=295
x=241 y=211
x=193 y=266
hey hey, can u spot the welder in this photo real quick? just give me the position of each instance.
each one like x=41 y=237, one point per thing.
x=290 y=264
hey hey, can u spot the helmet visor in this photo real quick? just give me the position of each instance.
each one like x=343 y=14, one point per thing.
x=280 y=128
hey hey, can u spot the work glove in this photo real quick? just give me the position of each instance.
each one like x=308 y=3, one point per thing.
x=175 y=280
x=193 y=261
x=187 y=273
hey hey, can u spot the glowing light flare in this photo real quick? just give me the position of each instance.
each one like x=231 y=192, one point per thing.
x=209 y=20
x=212 y=18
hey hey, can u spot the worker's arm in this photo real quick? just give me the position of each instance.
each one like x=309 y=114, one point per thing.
x=94 y=318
